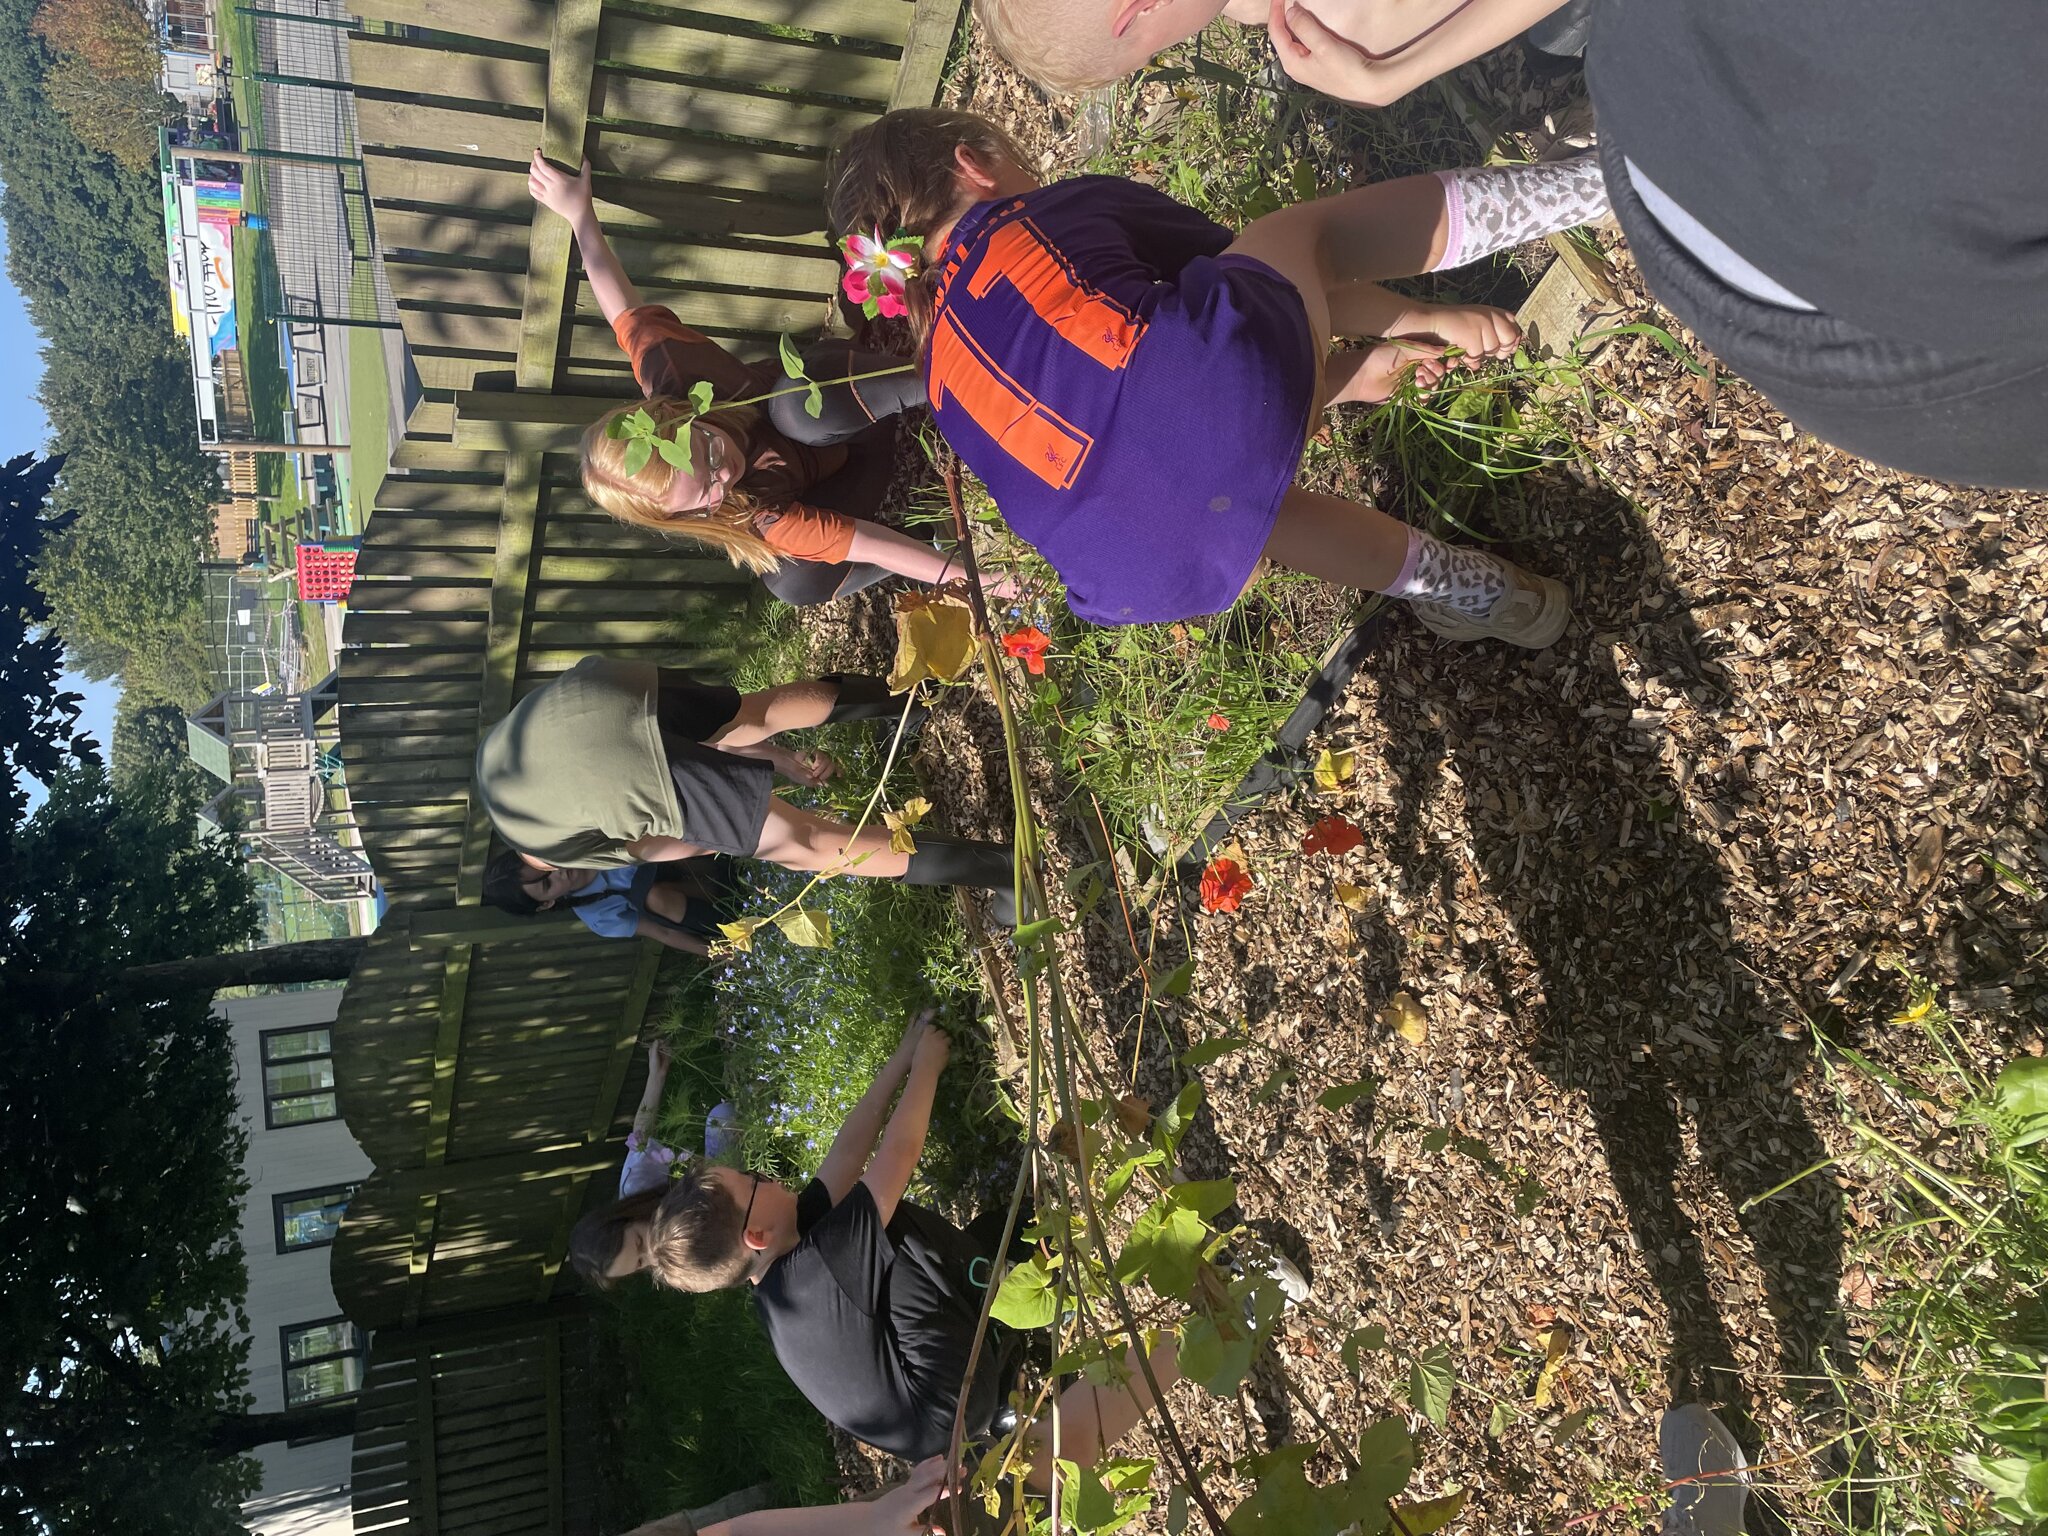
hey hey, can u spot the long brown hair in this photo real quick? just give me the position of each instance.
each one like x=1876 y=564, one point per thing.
x=897 y=173
x=638 y=499
x=595 y=1241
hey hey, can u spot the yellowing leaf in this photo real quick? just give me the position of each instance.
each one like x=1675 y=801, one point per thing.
x=1428 y=1515
x=900 y=823
x=1352 y=896
x=1404 y=1016
x=741 y=934
x=1556 y=1342
x=1334 y=768
x=934 y=638
x=806 y=929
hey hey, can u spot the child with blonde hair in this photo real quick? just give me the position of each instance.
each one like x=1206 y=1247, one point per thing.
x=776 y=491
x=1135 y=385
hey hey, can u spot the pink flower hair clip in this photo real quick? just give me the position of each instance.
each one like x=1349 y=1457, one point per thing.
x=878 y=271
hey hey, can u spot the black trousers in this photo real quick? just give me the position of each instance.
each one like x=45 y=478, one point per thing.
x=1965 y=419
x=860 y=413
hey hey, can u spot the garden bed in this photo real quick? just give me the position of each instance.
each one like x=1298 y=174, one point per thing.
x=1639 y=887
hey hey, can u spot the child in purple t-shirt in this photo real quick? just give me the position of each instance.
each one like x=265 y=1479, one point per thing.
x=1135 y=386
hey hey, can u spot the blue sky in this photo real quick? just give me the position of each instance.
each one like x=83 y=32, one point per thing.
x=23 y=428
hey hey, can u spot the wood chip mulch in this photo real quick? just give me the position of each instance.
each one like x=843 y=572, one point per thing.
x=1640 y=884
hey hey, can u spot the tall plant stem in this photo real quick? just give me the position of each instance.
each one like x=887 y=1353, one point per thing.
x=1028 y=876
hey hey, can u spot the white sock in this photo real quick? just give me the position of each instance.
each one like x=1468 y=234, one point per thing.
x=1467 y=581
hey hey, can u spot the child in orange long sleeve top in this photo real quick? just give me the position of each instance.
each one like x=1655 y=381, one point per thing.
x=768 y=487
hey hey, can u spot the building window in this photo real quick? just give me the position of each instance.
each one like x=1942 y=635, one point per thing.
x=298 y=1076
x=322 y=1361
x=310 y=1218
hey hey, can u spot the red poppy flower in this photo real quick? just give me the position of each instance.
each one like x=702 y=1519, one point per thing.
x=1224 y=886
x=1029 y=646
x=1332 y=835
x=1219 y=722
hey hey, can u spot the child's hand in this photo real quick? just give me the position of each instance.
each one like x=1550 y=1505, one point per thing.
x=906 y=1510
x=555 y=188
x=914 y=1033
x=932 y=1049
x=1003 y=588
x=1318 y=58
x=812 y=768
x=1477 y=330
x=658 y=1058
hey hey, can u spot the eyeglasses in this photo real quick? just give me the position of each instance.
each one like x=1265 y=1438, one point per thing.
x=749 y=1211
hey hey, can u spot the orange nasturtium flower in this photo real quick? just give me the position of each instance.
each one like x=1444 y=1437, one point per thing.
x=1219 y=722
x=1224 y=886
x=1332 y=835
x=1029 y=646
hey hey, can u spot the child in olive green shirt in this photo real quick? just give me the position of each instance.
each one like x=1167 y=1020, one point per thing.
x=623 y=762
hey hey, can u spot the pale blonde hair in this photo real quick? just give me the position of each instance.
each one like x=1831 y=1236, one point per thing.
x=1062 y=46
x=638 y=499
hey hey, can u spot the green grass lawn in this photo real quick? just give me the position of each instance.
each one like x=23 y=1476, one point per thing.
x=369 y=408
x=319 y=659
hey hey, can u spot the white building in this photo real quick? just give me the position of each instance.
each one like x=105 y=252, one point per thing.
x=302 y=1165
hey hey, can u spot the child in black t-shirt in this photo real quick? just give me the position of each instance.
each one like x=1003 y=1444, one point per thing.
x=870 y=1301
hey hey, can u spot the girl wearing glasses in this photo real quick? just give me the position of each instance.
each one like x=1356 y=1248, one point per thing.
x=790 y=497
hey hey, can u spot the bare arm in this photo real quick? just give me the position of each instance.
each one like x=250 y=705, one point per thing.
x=888 y=1176
x=848 y=1159
x=1339 y=66
x=656 y=849
x=812 y=768
x=899 y=552
x=661 y=933
x=570 y=197
x=657 y=1079
x=896 y=1513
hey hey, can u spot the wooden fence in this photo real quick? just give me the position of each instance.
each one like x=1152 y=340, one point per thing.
x=482 y=1423
x=482 y=1061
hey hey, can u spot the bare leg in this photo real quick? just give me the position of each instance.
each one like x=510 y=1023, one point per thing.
x=1389 y=229
x=786 y=707
x=1093 y=1419
x=1332 y=248
x=1345 y=542
x=798 y=839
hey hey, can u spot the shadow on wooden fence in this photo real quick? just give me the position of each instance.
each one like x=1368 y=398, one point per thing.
x=483 y=1061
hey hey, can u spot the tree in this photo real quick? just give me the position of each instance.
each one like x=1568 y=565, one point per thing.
x=104 y=79
x=110 y=35
x=122 y=1339
x=85 y=247
x=37 y=716
x=123 y=1347
x=272 y=965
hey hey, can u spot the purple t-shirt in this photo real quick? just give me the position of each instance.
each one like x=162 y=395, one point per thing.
x=1135 y=401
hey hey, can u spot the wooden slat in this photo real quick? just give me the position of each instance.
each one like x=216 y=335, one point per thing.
x=714 y=107
x=509 y=581
x=932 y=25
x=419 y=67
x=514 y=21
x=572 y=65
x=843 y=73
x=884 y=21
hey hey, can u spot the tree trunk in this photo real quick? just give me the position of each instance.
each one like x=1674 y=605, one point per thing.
x=308 y=960
x=234 y=1433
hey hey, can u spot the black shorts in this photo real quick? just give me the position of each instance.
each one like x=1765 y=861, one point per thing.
x=724 y=797
x=1965 y=419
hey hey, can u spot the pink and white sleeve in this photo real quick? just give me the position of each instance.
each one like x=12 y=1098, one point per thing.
x=1498 y=207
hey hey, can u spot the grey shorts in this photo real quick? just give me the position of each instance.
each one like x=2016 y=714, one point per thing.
x=724 y=796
